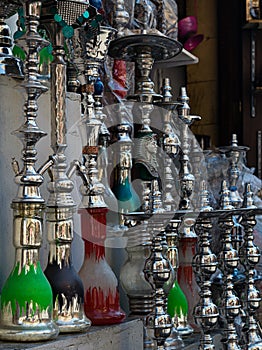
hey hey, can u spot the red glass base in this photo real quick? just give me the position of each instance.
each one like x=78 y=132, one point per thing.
x=101 y=302
x=103 y=309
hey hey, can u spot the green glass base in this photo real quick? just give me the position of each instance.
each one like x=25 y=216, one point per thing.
x=27 y=306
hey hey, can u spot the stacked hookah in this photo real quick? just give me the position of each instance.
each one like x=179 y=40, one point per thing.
x=188 y=237
x=236 y=302
x=58 y=305
x=26 y=301
x=177 y=304
x=234 y=153
x=39 y=314
x=143 y=48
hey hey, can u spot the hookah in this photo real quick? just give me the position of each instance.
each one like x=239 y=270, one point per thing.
x=177 y=305
x=137 y=288
x=229 y=304
x=204 y=265
x=60 y=18
x=249 y=255
x=188 y=237
x=9 y=65
x=26 y=300
x=100 y=283
x=233 y=153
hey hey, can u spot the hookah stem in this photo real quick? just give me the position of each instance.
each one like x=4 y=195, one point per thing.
x=63 y=196
x=58 y=95
x=33 y=204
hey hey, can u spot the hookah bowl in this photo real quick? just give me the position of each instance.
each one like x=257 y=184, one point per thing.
x=26 y=301
x=9 y=65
